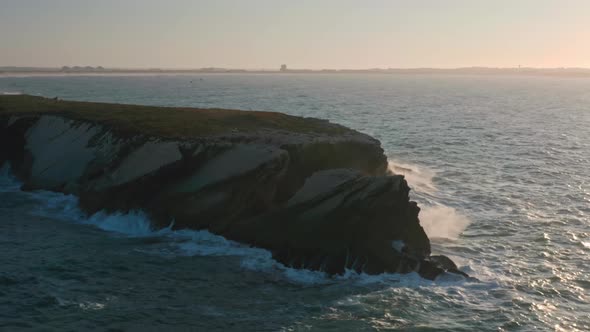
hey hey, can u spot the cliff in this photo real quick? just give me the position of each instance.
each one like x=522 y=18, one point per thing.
x=316 y=194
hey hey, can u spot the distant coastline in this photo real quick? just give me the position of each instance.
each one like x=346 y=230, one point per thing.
x=8 y=71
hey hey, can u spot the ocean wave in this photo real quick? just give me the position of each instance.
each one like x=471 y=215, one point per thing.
x=183 y=242
x=438 y=220
x=186 y=242
x=419 y=178
x=137 y=224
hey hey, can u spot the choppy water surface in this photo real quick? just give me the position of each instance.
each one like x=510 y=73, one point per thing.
x=498 y=164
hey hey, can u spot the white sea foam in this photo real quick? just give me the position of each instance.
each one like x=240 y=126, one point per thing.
x=441 y=221
x=204 y=243
x=419 y=178
x=8 y=183
x=56 y=206
x=438 y=221
x=188 y=242
x=134 y=223
x=180 y=242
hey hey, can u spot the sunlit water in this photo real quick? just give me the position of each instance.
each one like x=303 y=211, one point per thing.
x=500 y=166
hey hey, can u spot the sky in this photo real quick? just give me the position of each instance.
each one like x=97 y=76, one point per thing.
x=312 y=34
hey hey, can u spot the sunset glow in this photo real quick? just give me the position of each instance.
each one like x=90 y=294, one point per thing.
x=304 y=34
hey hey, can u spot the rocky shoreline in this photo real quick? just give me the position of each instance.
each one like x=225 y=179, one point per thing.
x=317 y=195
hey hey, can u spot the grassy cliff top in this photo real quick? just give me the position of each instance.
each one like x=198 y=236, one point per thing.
x=170 y=122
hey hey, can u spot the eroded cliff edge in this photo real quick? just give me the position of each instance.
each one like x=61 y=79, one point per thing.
x=316 y=194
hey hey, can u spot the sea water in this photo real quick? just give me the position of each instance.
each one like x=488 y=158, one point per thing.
x=498 y=164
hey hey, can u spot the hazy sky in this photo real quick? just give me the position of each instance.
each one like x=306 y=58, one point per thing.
x=301 y=33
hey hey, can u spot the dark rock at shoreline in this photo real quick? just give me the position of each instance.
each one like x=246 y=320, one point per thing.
x=317 y=195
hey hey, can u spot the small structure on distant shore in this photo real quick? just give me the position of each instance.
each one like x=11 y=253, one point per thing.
x=284 y=68
x=82 y=69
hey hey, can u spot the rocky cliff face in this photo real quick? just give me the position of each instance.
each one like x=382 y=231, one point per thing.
x=316 y=200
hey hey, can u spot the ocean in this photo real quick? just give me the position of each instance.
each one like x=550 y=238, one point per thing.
x=498 y=164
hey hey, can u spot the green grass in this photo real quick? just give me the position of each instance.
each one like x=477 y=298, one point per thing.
x=168 y=122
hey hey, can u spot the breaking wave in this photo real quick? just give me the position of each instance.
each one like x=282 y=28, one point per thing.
x=441 y=221
x=188 y=242
x=438 y=220
x=419 y=178
x=185 y=242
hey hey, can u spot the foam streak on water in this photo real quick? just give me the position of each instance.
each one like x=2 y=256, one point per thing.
x=180 y=242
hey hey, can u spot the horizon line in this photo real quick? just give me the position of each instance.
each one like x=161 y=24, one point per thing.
x=99 y=67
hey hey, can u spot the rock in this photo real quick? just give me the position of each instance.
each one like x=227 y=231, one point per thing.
x=60 y=149
x=349 y=225
x=236 y=161
x=322 y=182
x=317 y=195
x=446 y=264
x=146 y=159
